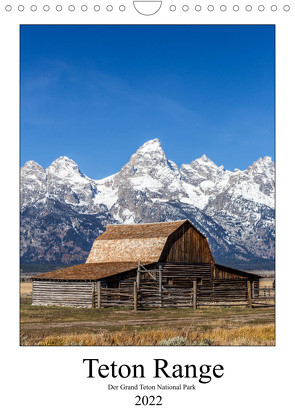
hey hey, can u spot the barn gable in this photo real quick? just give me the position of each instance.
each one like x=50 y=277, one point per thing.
x=186 y=245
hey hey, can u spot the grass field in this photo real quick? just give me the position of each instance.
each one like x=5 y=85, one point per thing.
x=52 y=325
x=26 y=288
x=266 y=282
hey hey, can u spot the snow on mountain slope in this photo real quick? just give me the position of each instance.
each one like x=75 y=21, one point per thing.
x=234 y=209
x=203 y=181
x=33 y=183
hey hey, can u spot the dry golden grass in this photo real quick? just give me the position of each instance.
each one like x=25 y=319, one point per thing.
x=246 y=335
x=55 y=325
x=26 y=288
x=266 y=283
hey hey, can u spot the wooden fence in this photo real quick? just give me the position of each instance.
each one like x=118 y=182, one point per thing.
x=264 y=297
x=113 y=297
x=205 y=294
x=169 y=297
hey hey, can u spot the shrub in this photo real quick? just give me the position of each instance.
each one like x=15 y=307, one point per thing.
x=206 y=342
x=176 y=341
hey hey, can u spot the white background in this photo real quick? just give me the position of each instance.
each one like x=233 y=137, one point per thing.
x=48 y=380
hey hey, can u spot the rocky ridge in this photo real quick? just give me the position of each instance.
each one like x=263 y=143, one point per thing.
x=63 y=210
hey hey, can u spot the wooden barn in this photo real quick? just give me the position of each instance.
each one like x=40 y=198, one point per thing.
x=141 y=265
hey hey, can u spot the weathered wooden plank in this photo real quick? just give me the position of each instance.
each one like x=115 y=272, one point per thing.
x=98 y=294
x=135 y=297
x=195 y=295
x=249 y=294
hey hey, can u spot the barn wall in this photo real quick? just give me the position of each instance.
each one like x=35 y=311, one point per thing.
x=215 y=285
x=62 y=293
x=230 y=274
x=116 y=280
x=222 y=274
x=183 y=275
x=186 y=245
x=177 y=275
x=232 y=291
x=74 y=293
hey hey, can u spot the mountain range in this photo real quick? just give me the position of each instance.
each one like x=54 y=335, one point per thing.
x=63 y=210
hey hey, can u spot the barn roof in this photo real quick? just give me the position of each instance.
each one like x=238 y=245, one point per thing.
x=134 y=242
x=140 y=231
x=236 y=271
x=119 y=250
x=89 y=271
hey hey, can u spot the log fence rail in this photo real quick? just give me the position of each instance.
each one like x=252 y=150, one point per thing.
x=200 y=293
x=149 y=296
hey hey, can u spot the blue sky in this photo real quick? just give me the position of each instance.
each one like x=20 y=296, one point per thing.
x=97 y=93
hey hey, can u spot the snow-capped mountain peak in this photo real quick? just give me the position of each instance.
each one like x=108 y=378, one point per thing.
x=235 y=209
x=32 y=165
x=148 y=170
x=204 y=159
x=64 y=167
x=149 y=154
x=153 y=145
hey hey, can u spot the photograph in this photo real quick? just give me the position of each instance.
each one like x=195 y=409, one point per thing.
x=147 y=185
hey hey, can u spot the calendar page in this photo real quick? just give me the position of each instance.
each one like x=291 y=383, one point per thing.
x=147 y=179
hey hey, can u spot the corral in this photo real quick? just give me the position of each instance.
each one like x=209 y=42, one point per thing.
x=148 y=265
